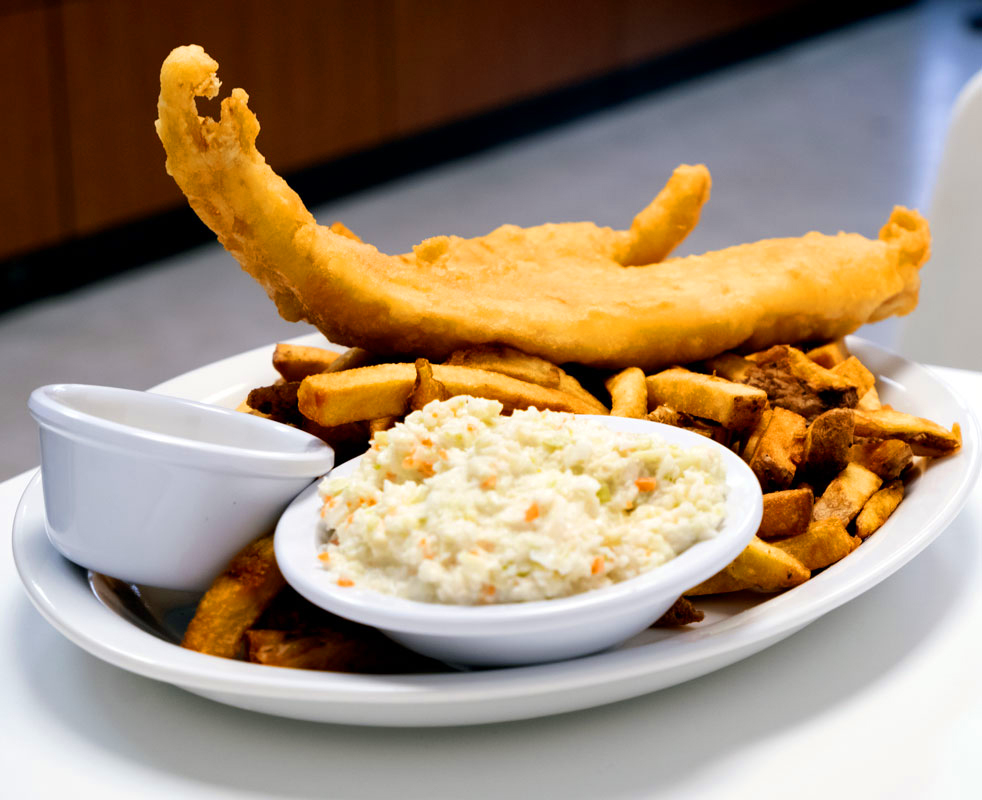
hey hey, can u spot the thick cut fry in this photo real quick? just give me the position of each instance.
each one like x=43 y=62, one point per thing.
x=854 y=371
x=828 y=355
x=732 y=405
x=846 y=494
x=333 y=398
x=753 y=438
x=524 y=367
x=777 y=453
x=870 y=401
x=235 y=601
x=731 y=366
x=278 y=402
x=556 y=290
x=887 y=458
x=508 y=361
x=681 y=613
x=926 y=438
x=628 y=394
x=296 y=361
x=879 y=508
x=827 y=444
x=352 y=358
x=824 y=543
x=672 y=215
x=381 y=424
x=666 y=416
x=795 y=382
x=761 y=567
x=426 y=388
x=786 y=513
x=365 y=651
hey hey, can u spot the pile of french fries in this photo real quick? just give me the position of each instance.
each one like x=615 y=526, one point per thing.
x=832 y=462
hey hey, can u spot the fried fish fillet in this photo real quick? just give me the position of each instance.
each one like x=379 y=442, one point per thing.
x=560 y=291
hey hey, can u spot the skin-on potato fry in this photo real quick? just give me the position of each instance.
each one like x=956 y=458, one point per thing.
x=887 y=458
x=761 y=567
x=786 y=513
x=235 y=601
x=352 y=358
x=827 y=444
x=728 y=365
x=732 y=405
x=381 y=424
x=846 y=494
x=333 y=398
x=524 y=367
x=666 y=416
x=278 y=402
x=824 y=543
x=854 y=371
x=296 y=361
x=681 y=613
x=778 y=451
x=366 y=651
x=753 y=438
x=628 y=393
x=870 y=401
x=879 y=508
x=830 y=354
x=426 y=388
x=508 y=361
x=795 y=382
x=926 y=438
x=662 y=226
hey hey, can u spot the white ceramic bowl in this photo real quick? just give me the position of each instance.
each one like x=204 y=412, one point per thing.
x=533 y=632
x=159 y=491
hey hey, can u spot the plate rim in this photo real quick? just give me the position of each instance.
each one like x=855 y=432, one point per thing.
x=229 y=681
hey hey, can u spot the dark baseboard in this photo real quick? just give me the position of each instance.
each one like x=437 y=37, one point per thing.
x=82 y=261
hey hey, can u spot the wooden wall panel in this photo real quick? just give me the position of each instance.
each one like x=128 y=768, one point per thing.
x=311 y=69
x=459 y=58
x=31 y=194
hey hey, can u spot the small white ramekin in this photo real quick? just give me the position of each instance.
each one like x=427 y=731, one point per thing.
x=160 y=491
x=533 y=632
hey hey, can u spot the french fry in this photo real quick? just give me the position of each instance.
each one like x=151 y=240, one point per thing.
x=278 y=402
x=786 y=513
x=381 y=424
x=879 y=508
x=775 y=458
x=926 y=438
x=731 y=366
x=761 y=567
x=681 y=613
x=887 y=458
x=870 y=401
x=426 y=388
x=846 y=494
x=295 y=361
x=795 y=382
x=753 y=439
x=333 y=398
x=829 y=355
x=524 y=367
x=854 y=371
x=665 y=415
x=733 y=405
x=363 y=651
x=824 y=543
x=235 y=601
x=352 y=358
x=827 y=443
x=628 y=393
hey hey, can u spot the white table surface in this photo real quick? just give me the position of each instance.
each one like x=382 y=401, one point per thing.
x=880 y=698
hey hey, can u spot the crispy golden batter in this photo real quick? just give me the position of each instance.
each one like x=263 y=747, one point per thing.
x=559 y=291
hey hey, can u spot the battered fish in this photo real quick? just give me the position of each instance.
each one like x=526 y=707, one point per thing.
x=560 y=291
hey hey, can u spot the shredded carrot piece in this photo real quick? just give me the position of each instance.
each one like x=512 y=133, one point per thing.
x=489 y=482
x=324 y=556
x=427 y=442
x=532 y=512
x=345 y=582
x=442 y=454
x=597 y=566
x=646 y=484
x=488 y=590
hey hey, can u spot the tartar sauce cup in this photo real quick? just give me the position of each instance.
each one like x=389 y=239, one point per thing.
x=160 y=491
x=531 y=632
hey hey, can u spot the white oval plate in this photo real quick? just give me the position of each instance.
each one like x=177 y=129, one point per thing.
x=734 y=628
